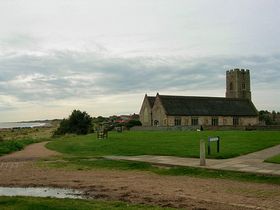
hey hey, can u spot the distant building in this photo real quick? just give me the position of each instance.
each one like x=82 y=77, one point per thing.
x=124 y=118
x=233 y=110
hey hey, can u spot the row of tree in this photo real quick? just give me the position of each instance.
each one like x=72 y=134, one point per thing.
x=269 y=118
x=82 y=123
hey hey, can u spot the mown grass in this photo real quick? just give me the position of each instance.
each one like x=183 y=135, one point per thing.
x=28 y=203
x=84 y=152
x=9 y=146
x=181 y=144
x=78 y=163
x=274 y=159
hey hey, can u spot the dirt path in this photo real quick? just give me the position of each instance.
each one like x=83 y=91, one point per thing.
x=141 y=187
x=31 y=152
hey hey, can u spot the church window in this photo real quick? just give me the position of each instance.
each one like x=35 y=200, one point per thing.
x=215 y=121
x=225 y=121
x=156 y=122
x=177 y=121
x=243 y=86
x=235 y=121
x=194 y=121
x=165 y=121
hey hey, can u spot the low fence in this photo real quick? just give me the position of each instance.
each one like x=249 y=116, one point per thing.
x=213 y=128
x=165 y=128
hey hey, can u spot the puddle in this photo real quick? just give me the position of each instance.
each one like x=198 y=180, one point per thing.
x=41 y=192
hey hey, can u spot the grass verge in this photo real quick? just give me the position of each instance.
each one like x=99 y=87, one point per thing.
x=27 y=203
x=74 y=163
x=274 y=159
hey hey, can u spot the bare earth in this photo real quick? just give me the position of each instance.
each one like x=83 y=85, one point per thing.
x=18 y=169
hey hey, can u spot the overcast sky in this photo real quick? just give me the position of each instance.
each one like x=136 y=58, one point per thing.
x=103 y=56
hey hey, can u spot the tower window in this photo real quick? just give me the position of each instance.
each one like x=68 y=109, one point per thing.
x=243 y=86
x=231 y=86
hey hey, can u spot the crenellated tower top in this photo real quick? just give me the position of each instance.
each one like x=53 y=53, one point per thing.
x=238 y=84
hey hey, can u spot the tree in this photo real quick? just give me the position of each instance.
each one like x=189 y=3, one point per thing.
x=78 y=123
x=132 y=123
x=265 y=117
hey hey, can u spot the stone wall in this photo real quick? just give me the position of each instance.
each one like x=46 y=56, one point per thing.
x=145 y=113
x=206 y=120
x=159 y=116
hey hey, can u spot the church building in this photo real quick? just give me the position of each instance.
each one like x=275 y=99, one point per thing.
x=236 y=109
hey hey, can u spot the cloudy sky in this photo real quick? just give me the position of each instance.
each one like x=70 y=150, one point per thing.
x=103 y=56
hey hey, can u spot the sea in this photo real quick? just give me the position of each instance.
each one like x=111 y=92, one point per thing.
x=21 y=124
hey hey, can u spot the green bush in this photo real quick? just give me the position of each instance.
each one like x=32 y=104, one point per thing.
x=133 y=123
x=77 y=123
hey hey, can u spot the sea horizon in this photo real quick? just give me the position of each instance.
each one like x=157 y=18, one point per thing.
x=6 y=125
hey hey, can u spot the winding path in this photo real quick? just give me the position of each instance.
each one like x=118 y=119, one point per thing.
x=253 y=162
x=31 y=152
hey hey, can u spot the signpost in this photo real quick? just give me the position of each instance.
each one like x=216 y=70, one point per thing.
x=102 y=134
x=202 y=153
x=213 y=139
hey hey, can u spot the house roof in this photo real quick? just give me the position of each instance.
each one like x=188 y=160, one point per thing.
x=151 y=100
x=207 y=106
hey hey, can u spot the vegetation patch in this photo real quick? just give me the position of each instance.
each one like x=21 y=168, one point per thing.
x=172 y=143
x=78 y=123
x=274 y=159
x=78 y=163
x=24 y=203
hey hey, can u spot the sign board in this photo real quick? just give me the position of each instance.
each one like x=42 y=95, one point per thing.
x=213 y=139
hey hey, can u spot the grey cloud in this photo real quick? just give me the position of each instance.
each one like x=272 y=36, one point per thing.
x=62 y=75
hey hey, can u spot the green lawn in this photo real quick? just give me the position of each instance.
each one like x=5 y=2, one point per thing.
x=28 y=203
x=182 y=144
x=83 y=152
x=274 y=159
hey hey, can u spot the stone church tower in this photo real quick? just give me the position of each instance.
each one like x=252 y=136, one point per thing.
x=238 y=84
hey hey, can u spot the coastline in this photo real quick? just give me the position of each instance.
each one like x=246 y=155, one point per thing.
x=19 y=125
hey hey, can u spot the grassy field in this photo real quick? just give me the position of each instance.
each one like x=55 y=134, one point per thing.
x=22 y=133
x=274 y=159
x=182 y=144
x=12 y=140
x=28 y=203
x=83 y=152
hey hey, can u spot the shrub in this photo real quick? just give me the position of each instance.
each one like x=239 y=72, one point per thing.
x=77 y=123
x=133 y=123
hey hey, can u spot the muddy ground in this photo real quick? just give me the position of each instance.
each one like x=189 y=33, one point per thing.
x=19 y=169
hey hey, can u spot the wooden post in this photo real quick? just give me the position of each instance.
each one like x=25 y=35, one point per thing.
x=202 y=153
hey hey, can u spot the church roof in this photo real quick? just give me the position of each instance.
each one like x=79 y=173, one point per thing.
x=207 y=106
x=151 y=100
